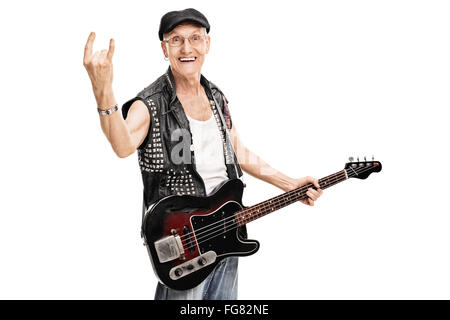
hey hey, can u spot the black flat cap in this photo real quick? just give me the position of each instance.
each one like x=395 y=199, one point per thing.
x=173 y=18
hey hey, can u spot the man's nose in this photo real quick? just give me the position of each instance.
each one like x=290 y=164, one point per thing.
x=186 y=46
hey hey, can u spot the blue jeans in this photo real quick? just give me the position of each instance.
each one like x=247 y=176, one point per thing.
x=221 y=284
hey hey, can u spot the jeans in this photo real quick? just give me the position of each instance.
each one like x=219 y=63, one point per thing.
x=221 y=284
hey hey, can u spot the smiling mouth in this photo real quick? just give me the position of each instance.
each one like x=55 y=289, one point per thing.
x=188 y=59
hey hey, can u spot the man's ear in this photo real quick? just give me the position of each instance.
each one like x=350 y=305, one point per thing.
x=164 y=49
x=208 y=41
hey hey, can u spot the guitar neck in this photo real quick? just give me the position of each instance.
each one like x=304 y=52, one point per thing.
x=261 y=209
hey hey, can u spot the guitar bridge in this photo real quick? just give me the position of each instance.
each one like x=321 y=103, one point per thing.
x=169 y=248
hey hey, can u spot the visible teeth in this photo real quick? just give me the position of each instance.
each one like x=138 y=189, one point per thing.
x=187 y=59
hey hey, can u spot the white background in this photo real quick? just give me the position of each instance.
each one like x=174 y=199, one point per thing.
x=309 y=83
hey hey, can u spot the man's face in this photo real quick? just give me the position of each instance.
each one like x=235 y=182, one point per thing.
x=186 y=56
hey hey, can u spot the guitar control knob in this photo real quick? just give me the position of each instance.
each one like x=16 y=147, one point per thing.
x=190 y=266
x=178 y=272
x=202 y=261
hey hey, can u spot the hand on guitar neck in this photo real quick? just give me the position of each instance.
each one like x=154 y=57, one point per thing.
x=313 y=194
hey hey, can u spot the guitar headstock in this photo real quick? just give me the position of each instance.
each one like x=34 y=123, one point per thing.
x=361 y=169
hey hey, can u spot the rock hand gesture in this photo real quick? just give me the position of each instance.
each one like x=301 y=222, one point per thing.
x=124 y=135
x=100 y=70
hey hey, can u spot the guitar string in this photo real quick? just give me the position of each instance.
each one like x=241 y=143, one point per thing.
x=235 y=220
x=274 y=199
x=236 y=225
x=232 y=220
x=332 y=178
x=281 y=201
x=252 y=208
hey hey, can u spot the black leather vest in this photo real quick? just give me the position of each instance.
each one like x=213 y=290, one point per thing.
x=166 y=157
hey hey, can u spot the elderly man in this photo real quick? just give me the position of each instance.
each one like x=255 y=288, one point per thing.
x=181 y=127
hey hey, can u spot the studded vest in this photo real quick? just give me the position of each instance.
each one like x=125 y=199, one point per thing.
x=166 y=157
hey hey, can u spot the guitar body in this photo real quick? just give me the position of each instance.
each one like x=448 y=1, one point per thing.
x=187 y=236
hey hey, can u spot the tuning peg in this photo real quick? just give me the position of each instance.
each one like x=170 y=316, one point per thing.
x=365 y=159
x=357 y=159
x=350 y=159
x=373 y=158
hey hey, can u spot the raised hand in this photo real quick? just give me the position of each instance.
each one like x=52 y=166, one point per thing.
x=100 y=70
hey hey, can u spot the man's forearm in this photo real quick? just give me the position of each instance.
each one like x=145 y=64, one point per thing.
x=114 y=126
x=258 y=168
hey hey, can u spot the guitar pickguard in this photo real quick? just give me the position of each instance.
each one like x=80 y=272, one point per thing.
x=216 y=231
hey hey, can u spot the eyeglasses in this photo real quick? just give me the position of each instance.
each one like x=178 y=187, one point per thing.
x=176 y=41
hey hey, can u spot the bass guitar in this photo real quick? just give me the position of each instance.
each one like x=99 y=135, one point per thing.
x=187 y=236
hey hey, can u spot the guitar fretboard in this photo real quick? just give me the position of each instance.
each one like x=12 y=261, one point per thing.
x=261 y=209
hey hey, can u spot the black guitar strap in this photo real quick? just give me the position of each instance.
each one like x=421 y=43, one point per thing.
x=227 y=135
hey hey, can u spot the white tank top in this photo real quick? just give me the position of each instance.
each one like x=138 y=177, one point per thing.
x=208 y=152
